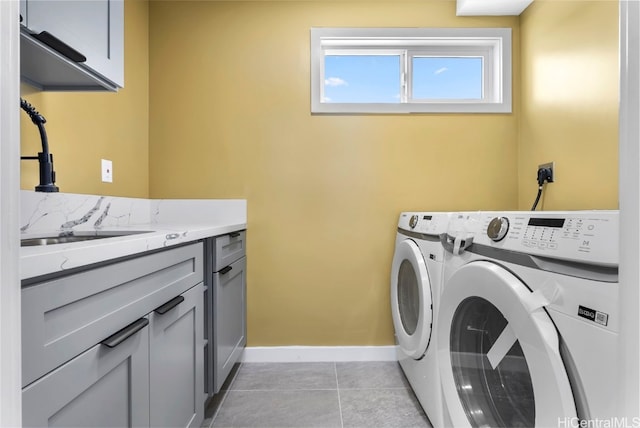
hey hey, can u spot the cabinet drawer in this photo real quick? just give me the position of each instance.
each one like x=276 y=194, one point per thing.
x=64 y=317
x=228 y=249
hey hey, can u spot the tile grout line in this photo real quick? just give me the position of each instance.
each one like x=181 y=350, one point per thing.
x=224 y=398
x=335 y=369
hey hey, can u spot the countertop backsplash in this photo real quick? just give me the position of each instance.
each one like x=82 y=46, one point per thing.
x=47 y=212
x=57 y=212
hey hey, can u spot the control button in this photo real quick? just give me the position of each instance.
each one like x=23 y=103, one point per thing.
x=552 y=246
x=591 y=227
x=542 y=245
x=498 y=228
x=413 y=221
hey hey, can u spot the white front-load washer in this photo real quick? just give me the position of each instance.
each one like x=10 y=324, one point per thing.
x=416 y=276
x=528 y=319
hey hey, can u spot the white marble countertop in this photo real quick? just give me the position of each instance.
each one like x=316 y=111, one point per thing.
x=45 y=259
x=166 y=223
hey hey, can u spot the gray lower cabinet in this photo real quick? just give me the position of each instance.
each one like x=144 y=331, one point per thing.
x=176 y=362
x=230 y=327
x=118 y=345
x=102 y=387
x=225 y=301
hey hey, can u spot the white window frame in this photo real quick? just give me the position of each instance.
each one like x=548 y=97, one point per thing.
x=492 y=44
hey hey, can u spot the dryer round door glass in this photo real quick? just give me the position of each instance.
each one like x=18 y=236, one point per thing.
x=500 y=396
x=411 y=306
x=499 y=352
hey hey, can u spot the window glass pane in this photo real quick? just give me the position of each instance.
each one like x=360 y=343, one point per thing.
x=447 y=78
x=362 y=79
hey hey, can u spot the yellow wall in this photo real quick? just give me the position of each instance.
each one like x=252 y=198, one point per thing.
x=216 y=105
x=229 y=118
x=86 y=127
x=569 y=114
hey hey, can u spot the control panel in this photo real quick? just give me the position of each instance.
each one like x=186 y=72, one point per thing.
x=428 y=223
x=582 y=236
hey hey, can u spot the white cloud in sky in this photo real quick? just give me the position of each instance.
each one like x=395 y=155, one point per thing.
x=440 y=70
x=326 y=100
x=335 y=81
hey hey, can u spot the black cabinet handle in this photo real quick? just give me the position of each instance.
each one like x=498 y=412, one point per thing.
x=225 y=270
x=161 y=310
x=59 y=46
x=122 y=335
x=234 y=234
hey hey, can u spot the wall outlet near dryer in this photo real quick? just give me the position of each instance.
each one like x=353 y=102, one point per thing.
x=551 y=167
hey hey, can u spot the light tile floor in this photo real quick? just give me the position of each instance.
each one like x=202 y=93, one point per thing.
x=328 y=395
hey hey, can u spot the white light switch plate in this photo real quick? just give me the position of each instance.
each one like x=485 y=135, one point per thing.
x=107 y=171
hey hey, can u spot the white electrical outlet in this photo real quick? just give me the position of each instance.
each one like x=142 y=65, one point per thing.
x=107 y=171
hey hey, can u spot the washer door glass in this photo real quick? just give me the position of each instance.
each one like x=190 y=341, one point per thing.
x=499 y=352
x=496 y=397
x=408 y=297
x=411 y=305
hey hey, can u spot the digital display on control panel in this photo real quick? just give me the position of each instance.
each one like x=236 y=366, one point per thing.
x=546 y=222
x=427 y=217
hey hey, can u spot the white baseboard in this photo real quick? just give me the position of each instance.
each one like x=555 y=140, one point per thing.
x=287 y=354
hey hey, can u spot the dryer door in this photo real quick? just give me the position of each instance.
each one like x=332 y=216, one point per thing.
x=499 y=353
x=411 y=306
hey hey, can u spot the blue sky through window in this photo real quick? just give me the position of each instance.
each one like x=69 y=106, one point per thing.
x=376 y=78
x=447 y=78
x=362 y=79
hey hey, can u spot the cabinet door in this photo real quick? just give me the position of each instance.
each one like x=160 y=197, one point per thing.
x=95 y=28
x=102 y=387
x=230 y=329
x=176 y=362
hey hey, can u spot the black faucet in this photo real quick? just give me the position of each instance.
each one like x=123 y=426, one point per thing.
x=47 y=174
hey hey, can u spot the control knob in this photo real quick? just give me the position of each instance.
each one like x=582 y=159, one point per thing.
x=498 y=228
x=413 y=221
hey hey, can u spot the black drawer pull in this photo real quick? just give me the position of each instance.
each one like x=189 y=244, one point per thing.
x=61 y=47
x=122 y=335
x=226 y=269
x=161 y=310
x=234 y=234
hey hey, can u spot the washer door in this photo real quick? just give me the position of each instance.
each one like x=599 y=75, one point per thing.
x=411 y=306
x=499 y=353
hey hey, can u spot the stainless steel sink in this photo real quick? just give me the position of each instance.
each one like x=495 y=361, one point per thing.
x=77 y=237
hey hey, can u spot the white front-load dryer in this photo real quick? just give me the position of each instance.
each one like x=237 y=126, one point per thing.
x=416 y=276
x=528 y=321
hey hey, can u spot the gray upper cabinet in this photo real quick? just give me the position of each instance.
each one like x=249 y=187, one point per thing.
x=94 y=28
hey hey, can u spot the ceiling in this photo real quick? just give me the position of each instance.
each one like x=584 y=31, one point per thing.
x=491 y=7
